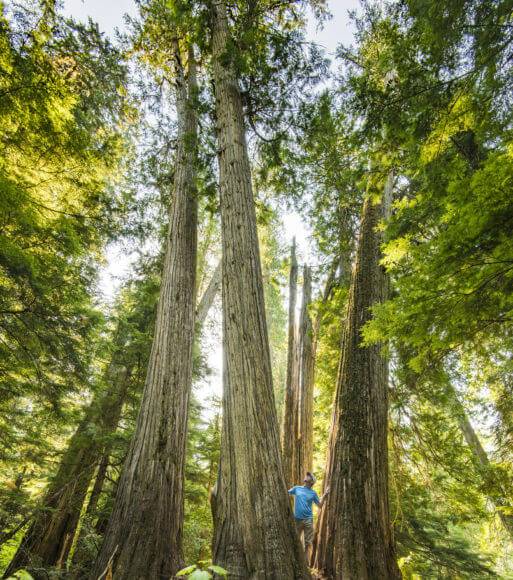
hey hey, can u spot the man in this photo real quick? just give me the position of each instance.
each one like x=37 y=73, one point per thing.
x=304 y=496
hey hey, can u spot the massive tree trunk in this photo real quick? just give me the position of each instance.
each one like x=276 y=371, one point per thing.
x=81 y=555
x=144 y=535
x=290 y=406
x=304 y=441
x=254 y=531
x=49 y=537
x=355 y=539
x=51 y=534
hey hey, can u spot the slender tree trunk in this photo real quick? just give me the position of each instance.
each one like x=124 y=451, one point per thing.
x=355 y=534
x=289 y=420
x=304 y=445
x=80 y=554
x=208 y=296
x=307 y=340
x=254 y=531
x=8 y=506
x=499 y=499
x=337 y=265
x=310 y=341
x=144 y=535
x=99 y=482
x=49 y=538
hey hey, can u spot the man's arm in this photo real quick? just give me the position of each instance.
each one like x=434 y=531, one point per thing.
x=323 y=498
x=292 y=490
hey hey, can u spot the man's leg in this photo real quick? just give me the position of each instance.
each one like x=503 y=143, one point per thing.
x=308 y=532
x=300 y=526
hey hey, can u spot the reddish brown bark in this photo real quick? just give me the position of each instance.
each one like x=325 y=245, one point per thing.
x=304 y=441
x=144 y=535
x=355 y=539
x=290 y=403
x=208 y=296
x=254 y=533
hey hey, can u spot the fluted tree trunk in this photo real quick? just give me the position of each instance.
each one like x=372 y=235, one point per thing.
x=49 y=538
x=307 y=341
x=290 y=402
x=355 y=539
x=298 y=413
x=254 y=531
x=202 y=309
x=57 y=518
x=144 y=535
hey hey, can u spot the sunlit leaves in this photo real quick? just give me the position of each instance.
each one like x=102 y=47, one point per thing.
x=63 y=120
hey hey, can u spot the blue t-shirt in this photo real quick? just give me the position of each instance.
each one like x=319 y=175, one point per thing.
x=303 y=498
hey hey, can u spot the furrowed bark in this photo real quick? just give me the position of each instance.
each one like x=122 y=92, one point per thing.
x=109 y=411
x=49 y=537
x=144 y=535
x=328 y=288
x=254 y=532
x=355 y=539
x=304 y=445
x=80 y=556
x=99 y=481
x=307 y=339
x=289 y=420
x=309 y=356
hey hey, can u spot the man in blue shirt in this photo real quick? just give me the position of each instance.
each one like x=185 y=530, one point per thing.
x=304 y=496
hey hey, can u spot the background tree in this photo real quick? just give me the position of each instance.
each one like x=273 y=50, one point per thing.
x=65 y=136
x=289 y=420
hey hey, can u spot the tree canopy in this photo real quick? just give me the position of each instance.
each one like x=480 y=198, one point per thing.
x=196 y=145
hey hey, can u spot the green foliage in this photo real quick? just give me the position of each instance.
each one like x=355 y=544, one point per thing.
x=64 y=120
x=414 y=94
x=186 y=571
x=425 y=90
x=201 y=472
x=21 y=575
x=448 y=253
x=197 y=574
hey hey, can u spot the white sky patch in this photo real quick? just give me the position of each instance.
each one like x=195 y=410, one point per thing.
x=108 y=14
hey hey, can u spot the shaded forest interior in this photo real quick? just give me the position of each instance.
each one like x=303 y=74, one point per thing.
x=336 y=227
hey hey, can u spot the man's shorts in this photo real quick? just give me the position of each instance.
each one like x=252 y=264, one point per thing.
x=305 y=527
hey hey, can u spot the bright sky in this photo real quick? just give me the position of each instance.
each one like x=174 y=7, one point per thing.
x=110 y=16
